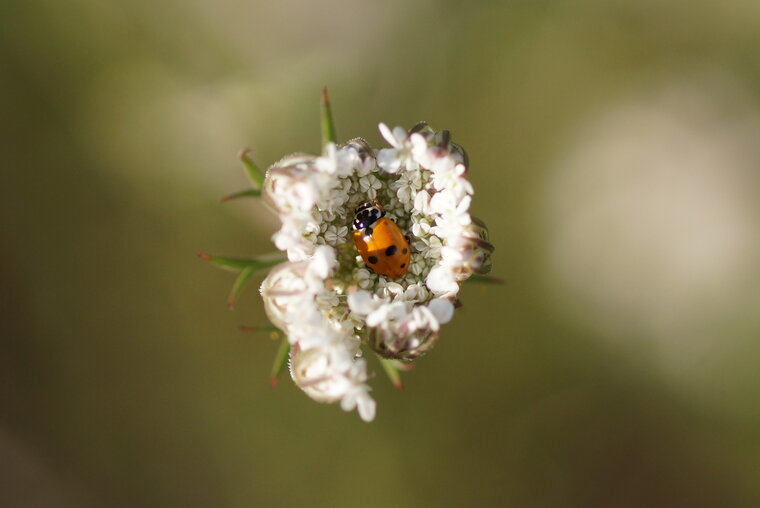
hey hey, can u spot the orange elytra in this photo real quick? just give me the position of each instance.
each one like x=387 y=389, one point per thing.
x=379 y=241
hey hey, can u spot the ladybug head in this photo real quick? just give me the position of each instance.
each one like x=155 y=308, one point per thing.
x=367 y=214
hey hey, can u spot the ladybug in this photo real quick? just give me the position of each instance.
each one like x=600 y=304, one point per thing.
x=379 y=241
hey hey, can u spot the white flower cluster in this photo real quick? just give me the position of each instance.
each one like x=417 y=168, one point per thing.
x=326 y=299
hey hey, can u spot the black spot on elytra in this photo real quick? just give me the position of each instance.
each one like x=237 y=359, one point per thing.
x=372 y=260
x=368 y=231
x=391 y=250
x=404 y=251
x=403 y=265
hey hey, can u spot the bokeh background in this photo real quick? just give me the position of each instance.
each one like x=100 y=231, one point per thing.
x=615 y=151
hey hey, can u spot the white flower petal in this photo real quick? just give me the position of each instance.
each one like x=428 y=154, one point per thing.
x=442 y=309
x=360 y=302
x=388 y=135
x=388 y=160
x=366 y=406
x=323 y=262
x=441 y=282
x=399 y=133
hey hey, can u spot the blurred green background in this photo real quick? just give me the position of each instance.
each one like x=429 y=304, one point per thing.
x=615 y=149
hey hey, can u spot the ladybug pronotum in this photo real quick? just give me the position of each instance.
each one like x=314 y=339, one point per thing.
x=379 y=241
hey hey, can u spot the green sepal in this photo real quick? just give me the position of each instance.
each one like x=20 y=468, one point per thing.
x=328 y=127
x=252 y=170
x=280 y=359
x=248 y=193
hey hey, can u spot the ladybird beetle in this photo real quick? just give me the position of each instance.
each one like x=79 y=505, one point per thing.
x=379 y=241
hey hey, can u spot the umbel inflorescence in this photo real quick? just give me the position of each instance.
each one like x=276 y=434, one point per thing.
x=325 y=298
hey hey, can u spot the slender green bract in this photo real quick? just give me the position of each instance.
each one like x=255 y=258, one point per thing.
x=391 y=368
x=247 y=268
x=280 y=359
x=248 y=193
x=252 y=170
x=239 y=284
x=238 y=264
x=328 y=127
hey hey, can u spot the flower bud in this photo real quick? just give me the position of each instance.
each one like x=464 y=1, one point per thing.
x=365 y=158
x=284 y=290
x=475 y=249
x=401 y=346
x=313 y=372
x=414 y=335
x=286 y=184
